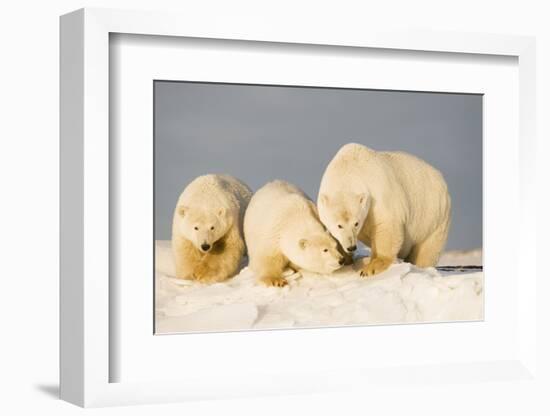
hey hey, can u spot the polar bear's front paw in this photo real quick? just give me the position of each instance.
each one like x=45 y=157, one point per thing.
x=376 y=265
x=206 y=274
x=275 y=281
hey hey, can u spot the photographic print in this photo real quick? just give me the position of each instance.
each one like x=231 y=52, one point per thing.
x=279 y=207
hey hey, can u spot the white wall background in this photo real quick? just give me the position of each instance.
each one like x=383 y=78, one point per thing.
x=29 y=171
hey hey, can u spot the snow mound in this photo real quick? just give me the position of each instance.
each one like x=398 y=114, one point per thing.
x=402 y=294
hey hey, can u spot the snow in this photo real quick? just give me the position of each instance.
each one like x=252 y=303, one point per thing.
x=402 y=294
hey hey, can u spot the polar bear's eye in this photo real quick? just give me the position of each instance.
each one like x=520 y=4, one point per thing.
x=196 y=228
x=339 y=226
x=212 y=227
x=357 y=224
x=325 y=250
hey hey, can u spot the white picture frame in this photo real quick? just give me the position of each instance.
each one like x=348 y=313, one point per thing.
x=86 y=335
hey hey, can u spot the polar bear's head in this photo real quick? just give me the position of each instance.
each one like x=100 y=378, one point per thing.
x=203 y=227
x=344 y=214
x=317 y=252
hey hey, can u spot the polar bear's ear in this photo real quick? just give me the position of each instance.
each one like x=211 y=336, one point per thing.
x=182 y=210
x=324 y=199
x=302 y=243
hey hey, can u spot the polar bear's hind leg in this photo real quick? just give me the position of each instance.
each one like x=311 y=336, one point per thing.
x=426 y=253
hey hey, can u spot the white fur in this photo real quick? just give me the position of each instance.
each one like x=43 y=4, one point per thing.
x=282 y=229
x=392 y=201
x=209 y=210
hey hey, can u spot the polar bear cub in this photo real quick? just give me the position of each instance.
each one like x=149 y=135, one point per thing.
x=282 y=229
x=393 y=202
x=207 y=235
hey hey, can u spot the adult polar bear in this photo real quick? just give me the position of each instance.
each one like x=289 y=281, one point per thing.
x=282 y=229
x=393 y=202
x=207 y=228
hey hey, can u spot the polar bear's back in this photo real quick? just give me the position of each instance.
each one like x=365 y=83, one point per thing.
x=357 y=164
x=425 y=188
x=279 y=191
x=274 y=202
x=401 y=185
x=343 y=171
x=214 y=189
x=273 y=207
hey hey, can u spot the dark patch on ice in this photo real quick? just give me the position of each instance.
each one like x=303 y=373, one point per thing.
x=460 y=269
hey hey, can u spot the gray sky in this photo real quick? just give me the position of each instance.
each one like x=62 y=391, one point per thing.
x=261 y=133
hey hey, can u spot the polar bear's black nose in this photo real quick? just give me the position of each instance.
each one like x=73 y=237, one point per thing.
x=352 y=248
x=205 y=247
x=341 y=261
